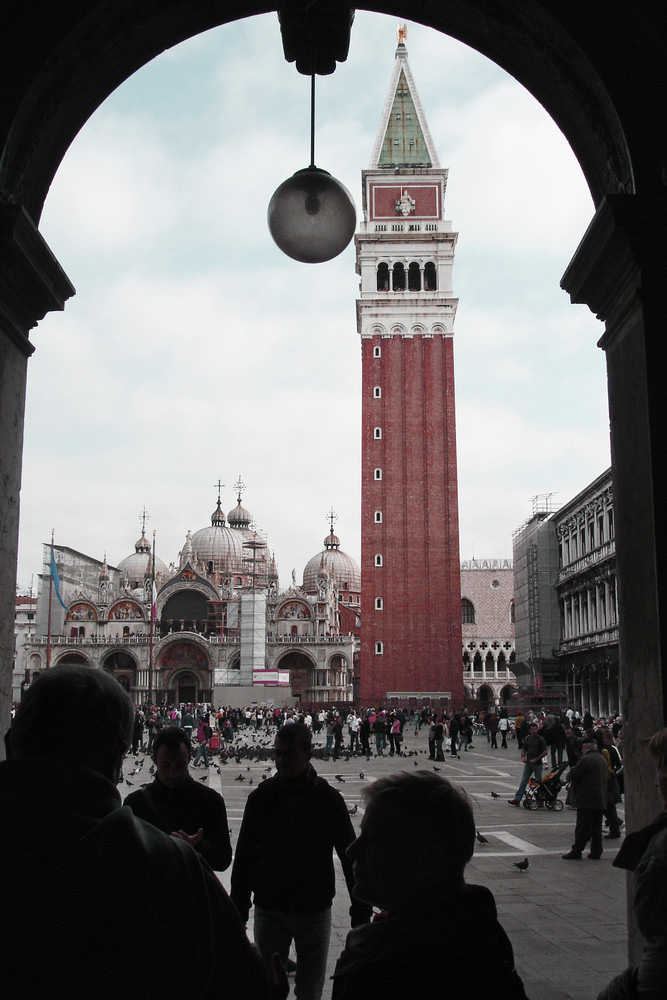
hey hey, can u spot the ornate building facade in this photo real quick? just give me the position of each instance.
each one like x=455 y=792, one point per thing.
x=216 y=627
x=410 y=628
x=487 y=623
x=588 y=598
x=566 y=596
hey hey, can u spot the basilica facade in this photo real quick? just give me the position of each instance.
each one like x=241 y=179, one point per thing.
x=211 y=626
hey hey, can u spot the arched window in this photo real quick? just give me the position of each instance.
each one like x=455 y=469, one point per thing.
x=377 y=352
x=430 y=277
x=399 y=277
x=378 y=604
x=467 y=612
x=377 y=433
x=379 y=648
x=414 y=277
x=377 y=474
x=377 y=392
x=383 y=278
x=377 y=517
x=378 y=559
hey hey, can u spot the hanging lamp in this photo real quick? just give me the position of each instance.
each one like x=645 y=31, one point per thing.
x=312 y=216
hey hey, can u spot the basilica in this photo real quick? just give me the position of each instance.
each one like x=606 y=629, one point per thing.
x=211 y=626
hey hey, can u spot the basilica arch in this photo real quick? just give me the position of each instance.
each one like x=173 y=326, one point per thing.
x=183 y=667
x=600 y=74
x=301 y=667
x=121 y=665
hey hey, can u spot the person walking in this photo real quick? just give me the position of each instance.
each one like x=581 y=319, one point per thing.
x=291 y=826
x=588 y=778
x=503 y=728
x=454 y=730
x=533 y=751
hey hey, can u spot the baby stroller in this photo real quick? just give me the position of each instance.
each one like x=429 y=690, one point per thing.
x=545 y=792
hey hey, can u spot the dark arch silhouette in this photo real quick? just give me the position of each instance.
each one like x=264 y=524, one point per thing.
x=77 y=57
x=597 y=68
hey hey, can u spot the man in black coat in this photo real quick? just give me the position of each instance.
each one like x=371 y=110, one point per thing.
x=71 y=854
x=588 y=778
x=291 y=825
x=177 y=804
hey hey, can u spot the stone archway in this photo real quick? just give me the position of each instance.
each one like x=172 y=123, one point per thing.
x=300 y=668
x=600 y=83
x=72 y=659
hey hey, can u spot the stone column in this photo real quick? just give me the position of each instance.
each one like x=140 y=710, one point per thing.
x=32 y=283
x=619 y=271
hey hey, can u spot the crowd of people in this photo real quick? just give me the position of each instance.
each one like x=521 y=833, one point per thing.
x=101 y=862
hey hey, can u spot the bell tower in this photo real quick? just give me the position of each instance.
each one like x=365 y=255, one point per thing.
x=411 y=596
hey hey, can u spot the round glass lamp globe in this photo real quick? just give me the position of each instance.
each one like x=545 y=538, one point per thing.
x=311 y=216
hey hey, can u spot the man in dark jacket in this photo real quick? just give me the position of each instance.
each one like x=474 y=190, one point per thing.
x=70 y=853
x=291 y=825
x=417 y=835
x=177 y=804
x=589 y=781
x=533 y=751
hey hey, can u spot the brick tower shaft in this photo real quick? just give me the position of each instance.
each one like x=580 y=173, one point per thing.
x=411 y=597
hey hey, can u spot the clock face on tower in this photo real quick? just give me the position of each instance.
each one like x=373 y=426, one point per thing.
x=418 y=200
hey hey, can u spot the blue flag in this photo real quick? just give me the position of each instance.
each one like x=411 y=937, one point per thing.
x=54 y=577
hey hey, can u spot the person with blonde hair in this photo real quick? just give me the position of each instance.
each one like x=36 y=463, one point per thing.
x=645 y=853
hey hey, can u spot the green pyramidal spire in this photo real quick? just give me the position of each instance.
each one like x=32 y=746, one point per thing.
x=403 y=138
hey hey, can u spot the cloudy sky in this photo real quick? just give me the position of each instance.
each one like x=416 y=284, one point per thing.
x=194 y=351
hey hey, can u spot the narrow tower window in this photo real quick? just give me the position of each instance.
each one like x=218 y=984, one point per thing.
x=379 y=648
x=377 y=392
x=377 y=474
x=399 y=277
x=378 y=559
x=377 y=433
x=414 y=277
x=430 y=277
x=378 y=517
x=378 y=604
x=377 y=352
x=383 y=277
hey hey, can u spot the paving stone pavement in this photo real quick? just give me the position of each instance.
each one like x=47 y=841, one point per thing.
x=566 y=919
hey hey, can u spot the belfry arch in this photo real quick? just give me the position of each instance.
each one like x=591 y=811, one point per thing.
x=601 y=76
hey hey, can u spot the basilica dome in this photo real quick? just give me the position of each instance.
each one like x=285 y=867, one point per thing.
x=239 y=517
x=344 y=568
x=138 y=567
x=220 y=548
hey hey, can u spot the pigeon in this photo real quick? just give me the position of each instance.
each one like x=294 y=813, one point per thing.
x=128 y=782
x=205 y=778
x=435 y=768
x=416 y=763
x=251 y=782
x=361 y=774
x=494 y=795
x=241 y=777
x=480 y=837
x=339 y=777
x=521 y=865
x=353 y=810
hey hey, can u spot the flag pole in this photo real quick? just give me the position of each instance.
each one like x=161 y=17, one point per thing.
x=48 y=634
x=151 y=632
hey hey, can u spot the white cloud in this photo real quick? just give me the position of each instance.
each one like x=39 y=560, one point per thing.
x=195 y=350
